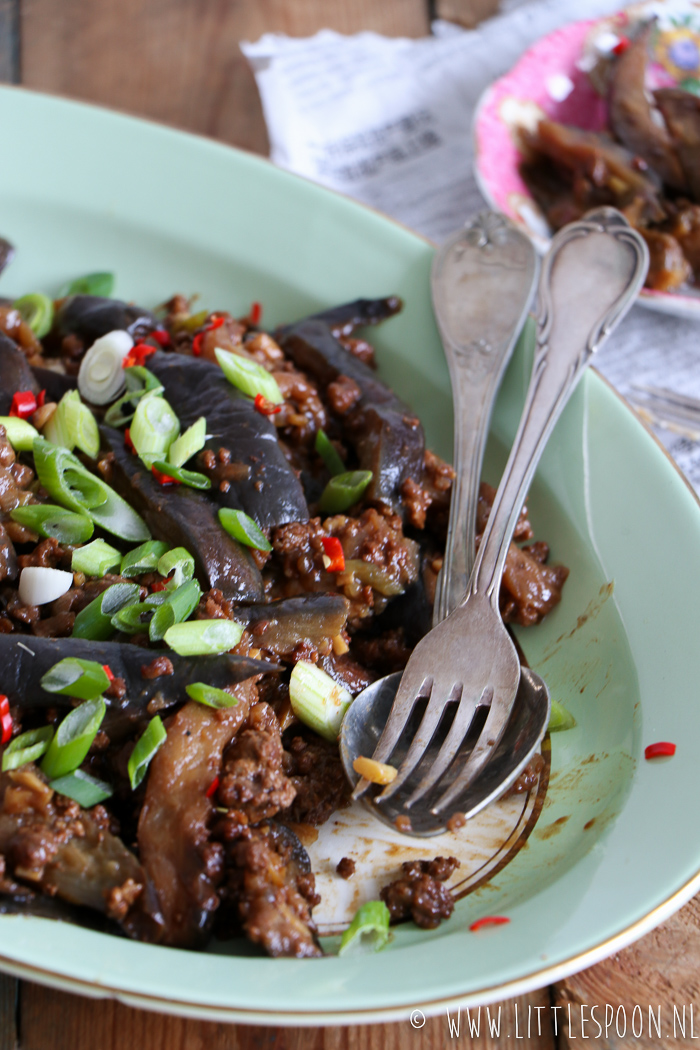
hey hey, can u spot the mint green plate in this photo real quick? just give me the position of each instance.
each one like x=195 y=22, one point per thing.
x=616 y=849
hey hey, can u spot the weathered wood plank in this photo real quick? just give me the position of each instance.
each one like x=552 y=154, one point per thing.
x=655 y=982
x=466 y=12
x=8 y=1013
x=66 y=1022
x=178 y=61
x=9 y=41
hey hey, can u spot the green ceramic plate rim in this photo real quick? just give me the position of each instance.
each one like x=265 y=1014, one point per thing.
x=337 y=983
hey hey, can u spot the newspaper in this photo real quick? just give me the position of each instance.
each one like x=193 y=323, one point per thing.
x=381 y=119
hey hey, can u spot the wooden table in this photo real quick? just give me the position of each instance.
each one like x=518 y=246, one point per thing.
x=178 y=61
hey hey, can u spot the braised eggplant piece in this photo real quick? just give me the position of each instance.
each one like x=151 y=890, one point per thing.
x=56 y=384
x=631 y=117
x=343 y=320
x=681 y=111
x=283 y=626
x=185 y=518
x=69 y=852
x=8 y=556
x=258 y=479
x=174 y=836
x=90 y=316
x=15 y=372
x=387 y=437
x=26 y=659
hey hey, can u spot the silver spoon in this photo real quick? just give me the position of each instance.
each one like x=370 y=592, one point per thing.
x=482 y=283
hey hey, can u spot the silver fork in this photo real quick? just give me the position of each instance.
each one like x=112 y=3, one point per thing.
x=590 y=277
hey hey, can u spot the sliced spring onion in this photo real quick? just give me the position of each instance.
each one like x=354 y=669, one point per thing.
x=180 y=562
x=153 y=428
x=560 y=718
x=145 y=749
x=192 y=478
x=143 y=559
x=343 y=490
x=95 y=620
x=72 y=740
x=84 y=679
x=203 y=637
x=39 y=585
x=51 y=521
x=99 y=283
x=36 y=309
x=101 y=376
x=139 y=382
x=26 y=747
x=87 y=791
x=55 y=429
x=96 y=558
x=248 y=376
x=177 y=607
x=134 y=619
x=20 y=433
x=209 y=695
x=328 y=452
x=318 y=701
x=191 y=441
x=67 y=480
x=244 y=529
x=369 y=929
x=80 y=424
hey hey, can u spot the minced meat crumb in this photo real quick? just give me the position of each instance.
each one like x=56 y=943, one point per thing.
x=420 y=894
x=345 y=867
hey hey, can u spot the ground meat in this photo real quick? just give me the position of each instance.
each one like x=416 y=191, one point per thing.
x=359 y=348
x=345 y=867
x=48 y=554
x=529 y=776
x=420 y=893
x=8 y=557
x=487 y=494
x=268 y=887
x=313 y=765
x=303 y=412
x=529 y=589
x=343 y=394
x=252 y=779
x=159 y=666
x=383 y=653
x=15 y=478
x=416 y=500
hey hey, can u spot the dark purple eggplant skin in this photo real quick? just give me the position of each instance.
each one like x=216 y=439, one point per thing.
x=681 y=111
x=56 y=384
x=25 y=659
x=91 y=316
x=385 y=433
x=186 y=518
x=281 y=625
x=344 y=319
x=16 y=373
x=262 y=482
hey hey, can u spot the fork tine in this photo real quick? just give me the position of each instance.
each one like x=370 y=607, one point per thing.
x=421 y=740
x=401 y=710
x=493 y=730
x=462 y=723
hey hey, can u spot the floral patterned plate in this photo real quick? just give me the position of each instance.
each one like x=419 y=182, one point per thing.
x=553 y=79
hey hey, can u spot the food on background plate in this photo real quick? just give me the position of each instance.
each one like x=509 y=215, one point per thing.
x=211 y=538
x=645 y=161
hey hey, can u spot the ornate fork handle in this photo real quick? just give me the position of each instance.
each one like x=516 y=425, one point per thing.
x=482 y=283
x=569 y=285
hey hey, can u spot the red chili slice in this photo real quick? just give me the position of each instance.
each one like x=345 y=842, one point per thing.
x=137 y=355
x=163 y=479
x=41 y=399
x=660 y=749
x=265 y=407
x=488 y=920
x=161 y=336
x=213 y=787
x=24 y=404
x=621 y=46
x=159 y=585
x=255 y=315
x=333 y=559
x=5 y=720
x=108 y=671
x=127 y=440
x=211 y=327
